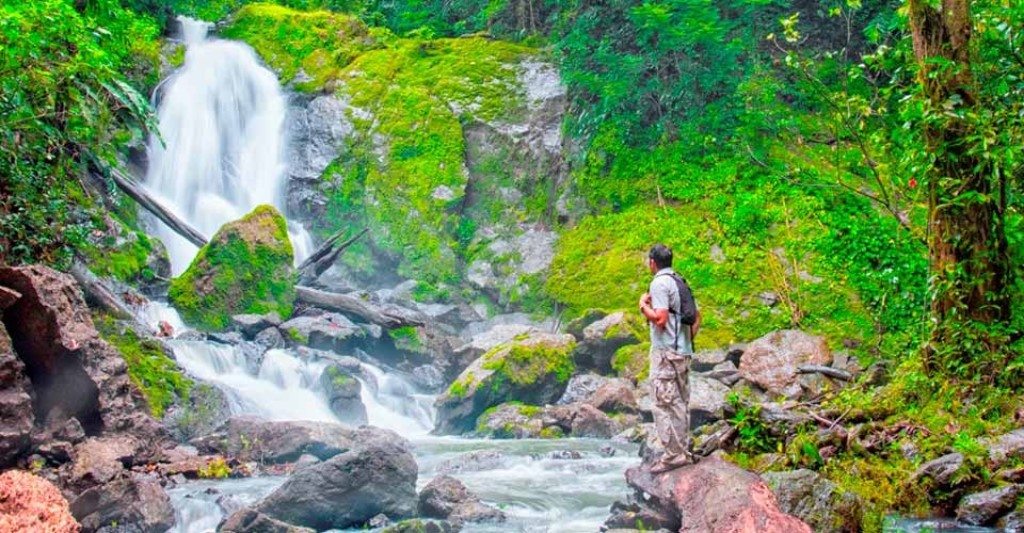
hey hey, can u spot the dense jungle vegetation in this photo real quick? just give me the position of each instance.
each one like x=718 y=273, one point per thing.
x=859 y=158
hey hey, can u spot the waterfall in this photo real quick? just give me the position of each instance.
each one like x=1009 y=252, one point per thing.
x=220 y=151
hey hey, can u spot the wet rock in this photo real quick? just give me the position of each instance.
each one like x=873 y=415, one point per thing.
x=742 y=500
x=207 y=408
x=816 y=500
x=134 y=503
x=1012 y=522
x=771 y=361
x=252 y=439
x=477 y=461
x=317 y=130
x=251 y=521
x=581 y=387
x=447 y=498
x=511 y=421
x=533 y=370
x=941 y=469
x=430 y=378
x=343 y=394
x=30 y=503
x=376 y=477
x=250 y=325
x=72 y=371
x=270 y=338
x=983 y=508
x=1005 y=447
x=16 y=416
x=707 y=400
x=590 y=422
x=419 y=525
x=101 y=459
x=247 y=267
x=603 y=338
x=629 y=515
x=615 y=396
x=329 y=332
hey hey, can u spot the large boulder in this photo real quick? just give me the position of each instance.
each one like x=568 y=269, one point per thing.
x=601 y=339
x=1005 y=447
x=133 y=503
x=344 y=395
x=245 y=269
x=707 y=400
x=739 y=500
x=253 y=439
x=30 y=503
x=376 y=477
x=532 y=369
x=816 y=500
x=983 y=508
x=771 y=361
x=16 y=416
x=611 y=395
x=74 y=374
x=447 y=498
x=329 y=332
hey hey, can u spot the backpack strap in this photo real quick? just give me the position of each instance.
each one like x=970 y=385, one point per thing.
x=679 y=314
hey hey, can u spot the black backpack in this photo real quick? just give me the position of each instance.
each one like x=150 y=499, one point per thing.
x=687 y=306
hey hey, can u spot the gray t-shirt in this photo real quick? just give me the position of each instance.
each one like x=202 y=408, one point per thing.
x=665 y=295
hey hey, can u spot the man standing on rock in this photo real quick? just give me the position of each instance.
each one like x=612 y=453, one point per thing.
x=672 y=313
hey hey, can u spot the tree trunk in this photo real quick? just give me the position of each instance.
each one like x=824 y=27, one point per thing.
x=966 y=237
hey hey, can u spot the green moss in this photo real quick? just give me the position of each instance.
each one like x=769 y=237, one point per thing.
x=526 y=361
x=600 y=263
x=177 y=57
x=406 y=338
x=246 y=268
x=127 y=261
x=632 y=361
x=339 y=378
x=317 y=43
x=511 y=429
x=460 y=387
x=149 y=367
x=552 y=432
x=295 y=335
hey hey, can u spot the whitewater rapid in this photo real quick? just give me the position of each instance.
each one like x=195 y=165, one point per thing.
x=221 y=143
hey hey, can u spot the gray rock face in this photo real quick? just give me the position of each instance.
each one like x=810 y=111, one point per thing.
x=250 y=325
x=252 y=439
x=329 y=331
x=317 y=130
x=447 y=498
x=346 y=491
x=601 y=340
x=16 y=416
x=983 y=508
x=707 y=400
x=135 y=504
x=815 y=500
x=343 y=394
x=771 y=361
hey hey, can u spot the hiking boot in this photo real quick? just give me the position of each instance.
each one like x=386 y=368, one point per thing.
x=671 y=463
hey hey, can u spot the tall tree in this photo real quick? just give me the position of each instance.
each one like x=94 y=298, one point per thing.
x=966 y=191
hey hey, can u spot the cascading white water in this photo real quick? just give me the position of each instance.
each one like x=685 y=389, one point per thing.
x=220 y=152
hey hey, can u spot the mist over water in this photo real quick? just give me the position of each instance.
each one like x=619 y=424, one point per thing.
x=220 y=152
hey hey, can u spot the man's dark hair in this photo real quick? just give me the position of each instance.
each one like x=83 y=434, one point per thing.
x=661 y=255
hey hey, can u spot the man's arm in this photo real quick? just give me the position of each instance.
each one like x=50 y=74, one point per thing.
x=658 y=317
x=696 y=326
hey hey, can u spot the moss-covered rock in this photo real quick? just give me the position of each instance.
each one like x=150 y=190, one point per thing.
x=533 y=368
x=246 y=268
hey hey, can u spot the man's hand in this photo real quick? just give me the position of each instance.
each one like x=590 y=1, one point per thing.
x=645 y=300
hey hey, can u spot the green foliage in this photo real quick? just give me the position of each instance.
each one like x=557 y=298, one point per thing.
x=754 y=436
x=317 y=43
x=216 y=468
x=246 y=268
x=150 y=367
x=406 y=338
x=69 y=79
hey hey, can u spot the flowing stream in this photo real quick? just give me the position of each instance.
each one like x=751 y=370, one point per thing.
x=220 y=154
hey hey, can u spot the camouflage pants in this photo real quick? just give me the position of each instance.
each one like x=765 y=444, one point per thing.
x=670 y=394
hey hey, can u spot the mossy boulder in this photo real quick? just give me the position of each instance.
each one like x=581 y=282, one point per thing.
x=246 y=268
x=532 y=368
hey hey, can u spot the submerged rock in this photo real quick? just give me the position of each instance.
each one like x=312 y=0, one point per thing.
x=448 y=498
x=253 y=439
x=329 y=331
x=376 y=477
x=245 y=269
x=533 y=369
x=771 y=361
x=343 y=395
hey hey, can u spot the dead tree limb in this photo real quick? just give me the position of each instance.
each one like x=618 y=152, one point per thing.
x=146 y=200
x=324 y=256
x=352 y=305
x=98 y=293
x=825 y=371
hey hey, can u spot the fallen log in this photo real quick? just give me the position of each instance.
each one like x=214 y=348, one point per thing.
x=97 y=293
x=146 y=200
x=352 y=305
x=826 y=371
